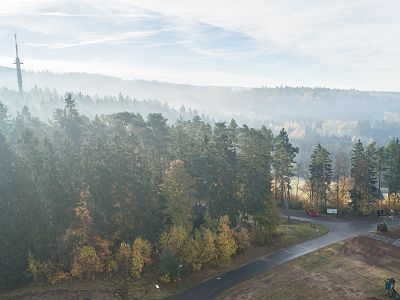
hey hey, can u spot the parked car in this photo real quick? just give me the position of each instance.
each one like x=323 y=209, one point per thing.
x=312 y=212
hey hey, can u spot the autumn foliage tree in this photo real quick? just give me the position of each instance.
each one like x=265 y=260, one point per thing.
x=141 y=255
x=178 y=188
x=225 y=241
x=86 y=263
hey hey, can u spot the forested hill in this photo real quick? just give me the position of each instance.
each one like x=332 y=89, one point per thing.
x=42 y=102
x=120 y=194
x=256 y=105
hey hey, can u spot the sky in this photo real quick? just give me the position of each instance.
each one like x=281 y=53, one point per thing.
x=330 y=43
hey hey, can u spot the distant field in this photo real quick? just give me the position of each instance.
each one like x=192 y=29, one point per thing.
x=354 y=269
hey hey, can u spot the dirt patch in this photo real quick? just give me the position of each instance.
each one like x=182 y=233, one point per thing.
x=393 y=234
x=374 y=253
x=292 y=283
x=63 y=294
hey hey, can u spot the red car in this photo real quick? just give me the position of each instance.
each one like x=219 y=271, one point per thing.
x=312 y=212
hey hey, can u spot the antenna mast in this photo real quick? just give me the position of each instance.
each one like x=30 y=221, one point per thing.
x=18 y=64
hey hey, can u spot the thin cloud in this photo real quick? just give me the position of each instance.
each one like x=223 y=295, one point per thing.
x=339 y=43
x=115 y=38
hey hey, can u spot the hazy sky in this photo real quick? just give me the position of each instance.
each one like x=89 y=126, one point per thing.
x=335 y=43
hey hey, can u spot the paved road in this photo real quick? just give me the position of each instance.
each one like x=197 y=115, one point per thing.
x=340 y=228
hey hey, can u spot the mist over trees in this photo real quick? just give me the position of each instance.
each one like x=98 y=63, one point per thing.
x=85 y=196
x=99 y=184
x=115 y=193
x=304 y=112
x=354 y=182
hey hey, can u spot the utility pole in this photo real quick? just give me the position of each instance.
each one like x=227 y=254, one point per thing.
x=18 y=64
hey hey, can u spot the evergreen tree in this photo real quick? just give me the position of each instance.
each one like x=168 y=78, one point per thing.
x=361 y=192
x=283 y=160
x=392 y=176
x=321 y=176
x=4 y=118
x=224 y=174
x=178 y=188
x=21 y=217
x=255 y=159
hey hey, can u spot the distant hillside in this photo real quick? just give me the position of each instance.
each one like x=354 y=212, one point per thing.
x=261 y=104
x=303 y=111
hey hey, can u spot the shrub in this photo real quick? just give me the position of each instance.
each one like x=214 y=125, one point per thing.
x=297 y=205
x=209 y=246
x=175 y=240
x=259 y=237
x=104 y=251
x=124 y=259
x=40 y=271
x=141 y=255
x=225 y=241
x=242 y=239
x=165 y=278
x=58 y=277
x=192 y=254
x=168 y=264
x=86 y=262
x=269 y=220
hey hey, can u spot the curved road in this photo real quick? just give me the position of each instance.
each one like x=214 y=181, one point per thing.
x=340 y=228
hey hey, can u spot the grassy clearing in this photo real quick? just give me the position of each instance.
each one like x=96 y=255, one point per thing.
x=144 y=288
x=301 y=231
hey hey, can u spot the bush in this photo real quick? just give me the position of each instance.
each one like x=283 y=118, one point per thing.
x=104 y=249
x=268 y=220
x=165 y=278
x=86 y=262
x=124 y=259
x=58 y=277
x=209 y=246
x=175 y=240
x=297 y=205
x=242 y=239
x=259 y=237
x=192 y=254
x=141 y=255
x=225 y=241
x=168 y=264
x=40 y=271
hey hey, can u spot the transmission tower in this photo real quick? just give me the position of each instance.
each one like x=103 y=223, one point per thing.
x=18 y=64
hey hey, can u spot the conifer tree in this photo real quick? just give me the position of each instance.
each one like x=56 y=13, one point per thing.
x=321 y=176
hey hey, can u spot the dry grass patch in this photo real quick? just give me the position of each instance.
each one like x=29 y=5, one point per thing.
x=355 y=269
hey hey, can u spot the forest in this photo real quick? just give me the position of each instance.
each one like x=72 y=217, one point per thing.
x=306 y=113
x=119 y=194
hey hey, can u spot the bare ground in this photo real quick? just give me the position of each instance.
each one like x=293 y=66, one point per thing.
x=393 y=234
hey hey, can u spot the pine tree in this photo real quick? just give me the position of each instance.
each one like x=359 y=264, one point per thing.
x=392 y=176
x=361 y=193
x=224 y=163
x=321 y=176
x=178 y=188
x=4 y=118
x=21 y=217
x=283 y=160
